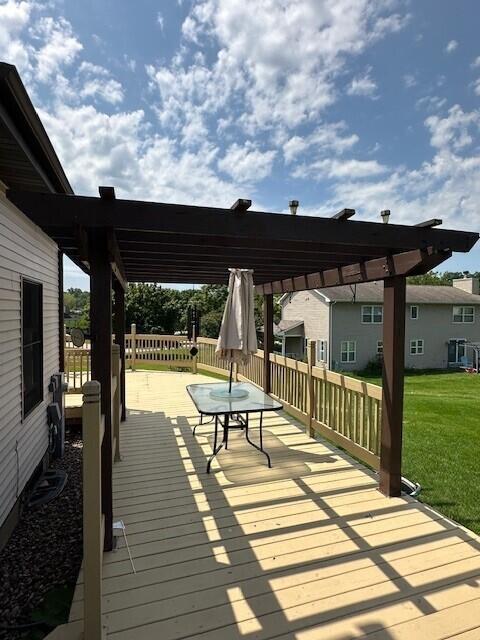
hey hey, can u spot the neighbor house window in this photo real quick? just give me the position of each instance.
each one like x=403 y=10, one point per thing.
x=348 y=351
x=416 y=347
x=32 y=345
x=414 y=312
x=372 y=314
x=463 y=314
x=322 y=351
x=379 y=348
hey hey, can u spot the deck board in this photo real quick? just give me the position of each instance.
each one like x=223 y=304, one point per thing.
x=308 y=549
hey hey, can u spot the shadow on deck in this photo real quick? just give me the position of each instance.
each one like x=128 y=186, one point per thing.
x=306 y=550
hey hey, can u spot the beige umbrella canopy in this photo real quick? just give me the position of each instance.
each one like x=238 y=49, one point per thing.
x=238 y=339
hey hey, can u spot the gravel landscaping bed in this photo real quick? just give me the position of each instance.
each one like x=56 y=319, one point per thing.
x=39 y=565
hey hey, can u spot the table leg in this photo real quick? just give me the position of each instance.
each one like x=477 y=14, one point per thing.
x=260 y=448
x=215 y=448
x=201 y=423
x=225 y=430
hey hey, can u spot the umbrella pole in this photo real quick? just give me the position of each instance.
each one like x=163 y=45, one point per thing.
x=230 y=381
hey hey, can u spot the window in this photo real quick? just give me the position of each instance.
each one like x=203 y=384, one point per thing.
x=416 y=347
x=348 y=351
x=322 y=351
x=379 y=347
x=463 y=314
x=414 y=312
x=32 y=345
x=372 y=314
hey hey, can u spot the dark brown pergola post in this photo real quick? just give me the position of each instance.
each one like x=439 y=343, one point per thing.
x=392 y=394
x=101 y=336
x=267 y=339
x=119 y=331
x=61 y=319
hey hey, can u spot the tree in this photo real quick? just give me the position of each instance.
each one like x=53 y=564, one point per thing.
x=436 y=278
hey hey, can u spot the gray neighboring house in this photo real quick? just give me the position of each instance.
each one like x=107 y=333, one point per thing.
x=346 y=322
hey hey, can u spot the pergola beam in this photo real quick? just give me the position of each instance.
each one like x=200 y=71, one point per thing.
x=55 y=210
x=401 y=264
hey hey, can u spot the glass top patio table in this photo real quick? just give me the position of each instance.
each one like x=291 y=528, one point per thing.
x=203 y=396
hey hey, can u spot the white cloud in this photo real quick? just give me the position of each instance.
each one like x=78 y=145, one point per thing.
x=326 y=138
x=363 y=85
x=340 y=169
x=431 y=103
x=277 y=62
x=97 y=82
x=451 y=46
x=247 y=164
x=409 y=80
x=160 y=20
x=454 y=131
x=59 y=46
x=476 y=62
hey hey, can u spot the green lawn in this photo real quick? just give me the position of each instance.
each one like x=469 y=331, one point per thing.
x=441 y=447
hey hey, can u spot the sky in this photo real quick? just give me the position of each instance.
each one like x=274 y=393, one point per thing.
x=364 y=104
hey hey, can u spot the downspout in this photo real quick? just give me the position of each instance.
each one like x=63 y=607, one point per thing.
x=330 y=333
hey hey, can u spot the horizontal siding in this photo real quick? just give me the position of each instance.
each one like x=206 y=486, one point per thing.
x=24 y=251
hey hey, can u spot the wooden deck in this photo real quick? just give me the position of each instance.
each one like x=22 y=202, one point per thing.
x=308 y=550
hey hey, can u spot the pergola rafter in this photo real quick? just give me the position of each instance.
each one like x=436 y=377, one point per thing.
x=157 y=242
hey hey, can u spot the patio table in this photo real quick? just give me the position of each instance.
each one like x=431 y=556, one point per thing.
x=232 y=412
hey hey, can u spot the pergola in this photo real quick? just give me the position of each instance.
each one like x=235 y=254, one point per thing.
x=120 y=241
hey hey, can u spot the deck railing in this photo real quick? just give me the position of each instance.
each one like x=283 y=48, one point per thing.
x=341 y=408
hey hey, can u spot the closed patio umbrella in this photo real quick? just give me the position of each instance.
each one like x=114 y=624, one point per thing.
x=238 y=339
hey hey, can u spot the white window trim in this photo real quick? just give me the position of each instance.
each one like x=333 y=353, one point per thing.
x=463 y=321
x=372 y=307
x=417 y=340
x=347 y=351
x=325 y=351
x=414 y=306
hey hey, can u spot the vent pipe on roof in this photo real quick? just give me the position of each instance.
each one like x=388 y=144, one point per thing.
x=293 y=204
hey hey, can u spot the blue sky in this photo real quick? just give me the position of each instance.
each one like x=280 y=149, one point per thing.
x=369 y=104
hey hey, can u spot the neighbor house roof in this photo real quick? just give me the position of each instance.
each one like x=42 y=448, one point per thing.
x=287 y=325
x=416 y=294
x=27 y=157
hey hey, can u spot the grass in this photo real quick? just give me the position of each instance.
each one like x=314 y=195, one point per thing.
x=441 y=444
x=158 y=366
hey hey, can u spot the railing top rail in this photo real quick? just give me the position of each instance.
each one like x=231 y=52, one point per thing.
x=298 y=365
x=352 y=384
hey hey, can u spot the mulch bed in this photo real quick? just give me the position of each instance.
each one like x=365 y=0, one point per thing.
x=44 y=553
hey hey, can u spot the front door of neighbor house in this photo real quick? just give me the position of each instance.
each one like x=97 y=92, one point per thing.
x=456 y=351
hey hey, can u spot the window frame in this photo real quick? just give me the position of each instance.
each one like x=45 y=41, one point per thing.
x=414 y=345
x=348 y=351
x=372 y=308
x=463 y=314
x=40 y=396
x=322 y=348
x=379 y=347
x=412 y=307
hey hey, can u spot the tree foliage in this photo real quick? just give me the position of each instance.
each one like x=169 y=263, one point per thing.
x=437 y=278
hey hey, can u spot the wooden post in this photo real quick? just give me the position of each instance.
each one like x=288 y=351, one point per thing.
x=119 y=330
x=116 y=400
x=267 y=339
x=133 y=354
x=392 y=389
x=101 y=332
x=311 y=352
x=93 y=522
x=61 y=320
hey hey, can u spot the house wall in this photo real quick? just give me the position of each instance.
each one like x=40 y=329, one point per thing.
x=24 y=251
x=315 y=313
x=434 y=325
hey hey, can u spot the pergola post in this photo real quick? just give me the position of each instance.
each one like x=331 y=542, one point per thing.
x=61 y=319
x=267 y=339
x=101 y=336
x=119 y=331
x=392 y=389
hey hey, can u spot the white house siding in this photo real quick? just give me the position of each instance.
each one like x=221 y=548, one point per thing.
x=434 y=326
x=24 y=251
x=309 y=307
